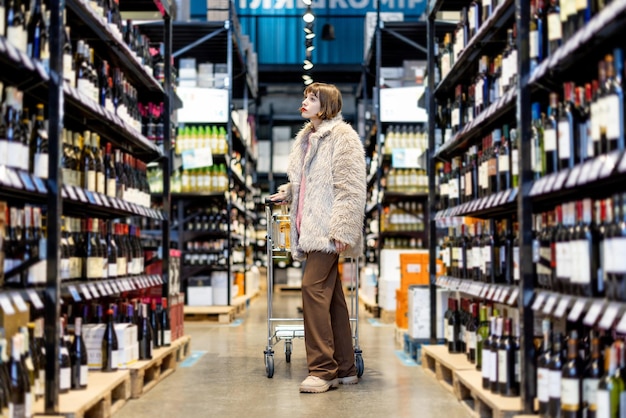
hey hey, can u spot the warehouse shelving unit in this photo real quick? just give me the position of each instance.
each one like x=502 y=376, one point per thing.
x=218 y=42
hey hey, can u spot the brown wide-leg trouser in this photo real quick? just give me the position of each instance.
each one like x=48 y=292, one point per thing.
x=327 y=332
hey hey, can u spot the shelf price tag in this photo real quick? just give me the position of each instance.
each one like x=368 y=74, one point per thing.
x=70 y=192
x=594 y=313
x=572 y=179
x=503 y=296
x=115 y=287
x=102 y=290
x=609 y=165
x=40 y=185
x=562 y=306
x=108 y=288
x=610 y=313
x=6 y=305
x=497 y=294
x=483 y=291
x=550 y=303
x=598 y=162
x=19 y=303
x=577 y=309
x=81 y=194
x=560 y=180
x=491 y=293
x=621 y=325
x=27 y=181
x=197 y=158
x=74 y=292
x=34 y=297
x=541 y=297
x=14 y=179
x=86 y=292
x=584 y=174
x=94 y=291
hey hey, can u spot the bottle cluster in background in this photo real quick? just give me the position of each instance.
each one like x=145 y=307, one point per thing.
x=581 y=122
x=580 y=247
x=213 y=137
x=484 y=251
x=87 y=164
x=95 y=249
x=405 y=136
x=489 y=339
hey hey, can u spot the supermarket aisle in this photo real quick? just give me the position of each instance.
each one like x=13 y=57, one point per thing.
x=229 y=379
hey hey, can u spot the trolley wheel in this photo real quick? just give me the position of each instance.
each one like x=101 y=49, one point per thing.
x=269 y=365
x=359 y=364
x=288 y=349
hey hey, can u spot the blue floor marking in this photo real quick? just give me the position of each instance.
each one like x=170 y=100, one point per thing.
x=375 y=322
x=236 y=322
x=405 y=358
x=192 y=359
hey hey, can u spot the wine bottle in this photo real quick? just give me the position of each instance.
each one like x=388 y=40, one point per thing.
x=109 y=348
x=19 y=397
x=554 y=376
x=39 y=351
x=482 y=333
x=614 y=101
x=5 y=379
x=506 y=362
x=608 y=394
x=16 y=25
x=454 y=328
x=555 y=30
x=36 y=29
x=494 y=379
x=78 y=357
x=550 y=136
x=471 y=330
x=39 y=142
x=571 y=380
x=591 y=380
x=487 y=362
x=65 y=365
x=166 y=328
x=145 y=334
x=156 y=324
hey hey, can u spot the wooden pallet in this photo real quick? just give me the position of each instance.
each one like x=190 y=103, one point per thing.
x=442 y=365
x=145 y=374
x=220 y=314
x=399 y=336
x=461 y=378
x=387 y=317
x=183 y=347
x=481 y=402
x=370 y=306
x=106 y=393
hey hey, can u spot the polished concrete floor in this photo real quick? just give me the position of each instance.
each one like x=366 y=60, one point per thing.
x=228 y=379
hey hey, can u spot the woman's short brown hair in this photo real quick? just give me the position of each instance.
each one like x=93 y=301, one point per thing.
x=329 y=97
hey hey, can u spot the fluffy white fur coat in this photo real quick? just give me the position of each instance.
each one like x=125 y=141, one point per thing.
x=335 y=193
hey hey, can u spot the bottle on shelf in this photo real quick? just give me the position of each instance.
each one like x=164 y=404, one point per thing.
x=78 y=357
x=109 y=348
x=482 y=334
x=554 y=375
x=571 y=380
x=507 y=382
x=454 y=328
x=65 y=365
x=609 y=387
x=20 y=396
x=591 y=379
x=496 y=371
x=165 y=326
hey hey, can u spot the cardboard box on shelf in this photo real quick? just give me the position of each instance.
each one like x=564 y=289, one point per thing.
x=200 y=291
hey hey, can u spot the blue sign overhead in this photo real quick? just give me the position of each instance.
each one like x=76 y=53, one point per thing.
x=334 y=7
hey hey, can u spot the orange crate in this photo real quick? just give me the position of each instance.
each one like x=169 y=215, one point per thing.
x=414 y=270
x=402 y=307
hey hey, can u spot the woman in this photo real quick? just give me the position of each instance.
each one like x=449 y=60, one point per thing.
x=327 y=193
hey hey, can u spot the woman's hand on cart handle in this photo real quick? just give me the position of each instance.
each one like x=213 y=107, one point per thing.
x=279 y=198
x=340 y=246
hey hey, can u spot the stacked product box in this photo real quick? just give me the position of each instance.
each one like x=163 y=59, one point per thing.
x=128 y=347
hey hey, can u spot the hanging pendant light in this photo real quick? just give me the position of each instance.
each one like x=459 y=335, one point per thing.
x=328 y=32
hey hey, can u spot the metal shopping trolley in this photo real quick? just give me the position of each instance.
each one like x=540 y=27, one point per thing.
x=288 y=329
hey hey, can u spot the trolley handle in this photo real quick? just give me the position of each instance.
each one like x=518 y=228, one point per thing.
x=272 y=203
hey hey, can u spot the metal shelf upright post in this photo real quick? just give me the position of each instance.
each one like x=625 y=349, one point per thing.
x=524 y=208
x=52 y=296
